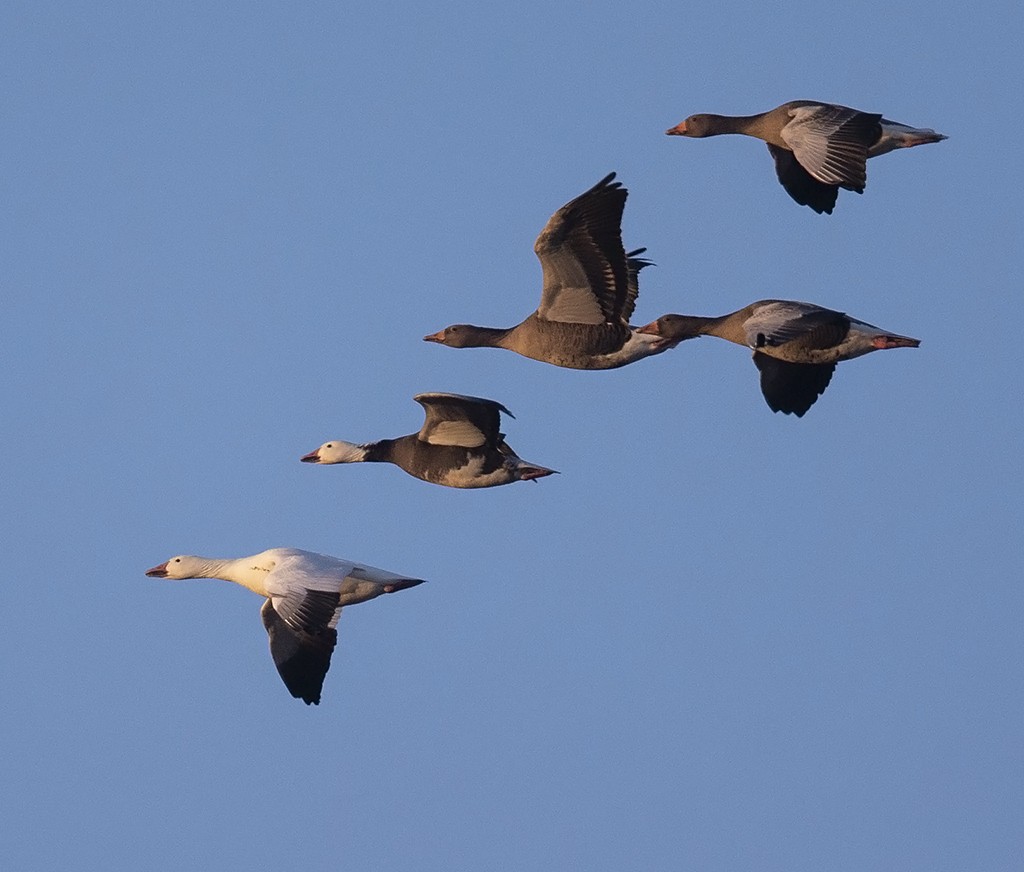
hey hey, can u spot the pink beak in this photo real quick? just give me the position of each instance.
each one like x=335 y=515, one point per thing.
x=312 y=457
x=158 y=571
x=895 y=342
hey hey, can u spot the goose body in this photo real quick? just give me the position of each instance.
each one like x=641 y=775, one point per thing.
x=818 y=148
x=796 y=345
x=590 y=290
x=305 y=593
x=459 y=445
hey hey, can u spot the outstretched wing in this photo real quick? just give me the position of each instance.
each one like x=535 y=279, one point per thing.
x=792 y=388
x=301 y=627
x=780 y=321
x=831 y=143
x=586 y=277
x=454 y=419
x=800 y=184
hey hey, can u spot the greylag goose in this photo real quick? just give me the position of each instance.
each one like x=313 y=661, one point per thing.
x=796 y=345
x=305 y=593
x=459 y=445
x=590 y=289
x=818 y=147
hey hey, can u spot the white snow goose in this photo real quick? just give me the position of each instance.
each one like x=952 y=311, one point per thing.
x=459 y=445
x=305 y=594
x=590 y=289
x=818 y=147
x=796 y=345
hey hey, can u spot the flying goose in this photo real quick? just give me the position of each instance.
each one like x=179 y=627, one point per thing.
x=305 y=594
x=459 y=445
x=818 y=147
x=590 y=289
x=796 y=345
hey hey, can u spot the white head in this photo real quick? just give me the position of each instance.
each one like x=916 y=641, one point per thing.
x=336 y=451
x=182 y=566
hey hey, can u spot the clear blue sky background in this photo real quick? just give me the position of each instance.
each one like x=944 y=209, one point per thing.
x=722 y=639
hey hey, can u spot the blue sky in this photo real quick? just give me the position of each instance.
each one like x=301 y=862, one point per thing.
x=722 y=639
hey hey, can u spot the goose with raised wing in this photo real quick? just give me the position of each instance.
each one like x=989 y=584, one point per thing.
x=459 y=445
x=590 y=287
x=796 y=345
x=818 y=148
x=305 y=593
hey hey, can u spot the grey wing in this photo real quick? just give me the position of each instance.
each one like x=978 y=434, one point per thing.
x=800 y=184
x=792 y=388
x=831 y=143
x=586 y=277
x=302 y=634
x=454 y=419
x=777 y=322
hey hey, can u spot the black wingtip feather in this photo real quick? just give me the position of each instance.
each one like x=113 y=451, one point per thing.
x=302 y=659
x=800 y=184
x=791 y=388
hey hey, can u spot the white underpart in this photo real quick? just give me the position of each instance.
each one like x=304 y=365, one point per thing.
x=472 y=474
x=896 y=135
x=860 y=339
x=639 y=345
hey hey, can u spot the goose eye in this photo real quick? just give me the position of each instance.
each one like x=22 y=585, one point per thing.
x=177 y=560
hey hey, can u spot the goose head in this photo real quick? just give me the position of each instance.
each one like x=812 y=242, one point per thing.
x=182 y=566
x=335 y=451
x=696 y=126
x=675 y=327
x=460 y=336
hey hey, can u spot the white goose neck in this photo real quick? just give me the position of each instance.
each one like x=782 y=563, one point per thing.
x=250 y=572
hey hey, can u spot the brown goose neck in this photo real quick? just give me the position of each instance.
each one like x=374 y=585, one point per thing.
x=746 y=124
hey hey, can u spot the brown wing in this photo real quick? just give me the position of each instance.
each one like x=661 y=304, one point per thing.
x=454 y=419
x=824 y=334
x=803 y=325
x=586 y=277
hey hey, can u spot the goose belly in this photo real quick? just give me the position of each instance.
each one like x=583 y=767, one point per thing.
x=471 y=471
